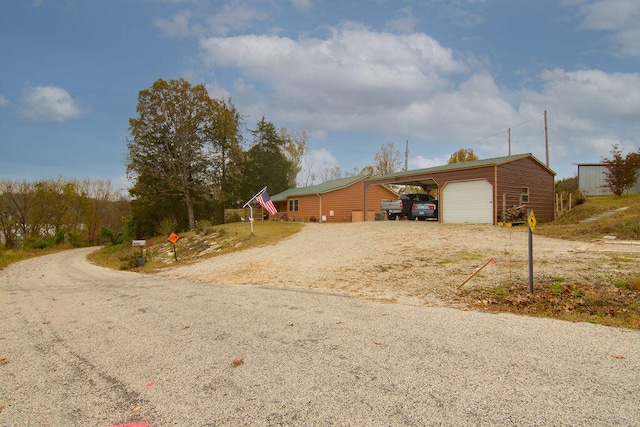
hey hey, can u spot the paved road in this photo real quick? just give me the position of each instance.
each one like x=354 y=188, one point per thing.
x=85 y=346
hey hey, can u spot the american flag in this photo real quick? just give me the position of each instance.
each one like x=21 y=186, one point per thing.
x=266 y=203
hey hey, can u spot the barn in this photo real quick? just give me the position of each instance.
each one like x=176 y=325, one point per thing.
x=338 y=200
x=591 y=180
x=480 y=191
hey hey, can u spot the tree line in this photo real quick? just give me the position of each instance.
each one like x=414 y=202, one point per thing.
x=50 y=212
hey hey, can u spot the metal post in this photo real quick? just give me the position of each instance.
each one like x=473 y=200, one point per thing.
x=530 y=257
x=251 y=217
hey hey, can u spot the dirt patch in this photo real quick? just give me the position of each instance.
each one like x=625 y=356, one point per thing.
x=413 y=262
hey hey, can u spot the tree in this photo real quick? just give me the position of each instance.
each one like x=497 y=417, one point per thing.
x=330 y=173
x=168 y=153
x=265 y=162
x=367 y=170
x=295 y=149
x=227 y=153
x=622 y=172
x=48 y=212
x=463 y=155
x=387 y=160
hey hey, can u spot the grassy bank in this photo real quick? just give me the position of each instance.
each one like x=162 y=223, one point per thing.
x=624 y=224
x=194 y=246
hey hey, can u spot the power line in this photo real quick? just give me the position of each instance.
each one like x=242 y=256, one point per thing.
x=506 y=131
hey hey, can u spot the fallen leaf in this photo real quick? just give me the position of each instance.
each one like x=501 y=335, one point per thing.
x=290 y=324
x=4 y=361
x=338 y=322
x=136 y=409
x=46 y=322
x=1 y=406
x=186 y=327
x=237 y=361
x=377 y=342
x=619 y=357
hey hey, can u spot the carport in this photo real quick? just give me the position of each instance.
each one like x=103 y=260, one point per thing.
x=478 y=191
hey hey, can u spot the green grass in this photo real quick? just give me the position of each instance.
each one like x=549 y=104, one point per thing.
x=625 y=225
x=9 y=256
x=195 y=246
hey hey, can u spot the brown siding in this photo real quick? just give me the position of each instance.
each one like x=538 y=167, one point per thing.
x=375 y=195
x=511 y=177
x=527 y=173
x=308 y=207
x=342 y=202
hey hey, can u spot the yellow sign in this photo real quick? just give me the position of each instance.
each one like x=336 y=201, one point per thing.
x=532 y=221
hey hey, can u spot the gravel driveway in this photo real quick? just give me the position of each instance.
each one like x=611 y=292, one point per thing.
x=418 y=263
x=86 y=346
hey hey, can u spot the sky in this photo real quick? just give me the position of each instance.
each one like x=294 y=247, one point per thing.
x=431 y=75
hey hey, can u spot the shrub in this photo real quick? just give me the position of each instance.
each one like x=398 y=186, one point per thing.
x=578 y=198
x=110 y=237
x=203 y=227
x=166 y=227
x=232 y=218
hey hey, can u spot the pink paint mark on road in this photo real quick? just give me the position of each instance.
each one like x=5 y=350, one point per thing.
x=133 y=425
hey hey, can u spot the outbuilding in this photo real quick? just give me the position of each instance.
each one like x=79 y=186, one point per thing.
x=481 y=191
x=592 y=180
x=338 y=200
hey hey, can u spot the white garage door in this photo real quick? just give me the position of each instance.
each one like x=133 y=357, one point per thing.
x=468 y=201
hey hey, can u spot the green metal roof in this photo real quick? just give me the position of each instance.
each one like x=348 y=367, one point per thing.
x=337 y=184
x=325 y=187
x=464 y=165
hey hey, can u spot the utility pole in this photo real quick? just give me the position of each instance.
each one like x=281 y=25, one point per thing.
x=509 y=141
x=406 y=156
x=546 y=136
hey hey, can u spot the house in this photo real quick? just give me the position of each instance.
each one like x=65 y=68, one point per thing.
x=480 y=191
x=338 y=200
x=591 y=180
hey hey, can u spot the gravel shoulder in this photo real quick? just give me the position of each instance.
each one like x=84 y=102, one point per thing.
x=418 y=263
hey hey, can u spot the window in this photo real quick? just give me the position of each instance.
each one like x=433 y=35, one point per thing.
x=293 y=205
x=524 y=195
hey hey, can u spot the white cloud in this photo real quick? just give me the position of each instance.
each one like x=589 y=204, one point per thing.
x=179 y=26
x=464 y=13
x=3 y=101
x=303 y=6
x=590 y=109
x=594 y=94
x=50 y=104
x=235 y=15
x=313 y=164
x=420 y=162
x=352 y=79
x=409 y=86
x=620 y=17
x=404 y=22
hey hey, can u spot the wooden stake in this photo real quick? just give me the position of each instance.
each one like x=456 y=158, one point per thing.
x=475 y=272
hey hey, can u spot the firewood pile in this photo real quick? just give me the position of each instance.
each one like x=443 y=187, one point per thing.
x=515 y=214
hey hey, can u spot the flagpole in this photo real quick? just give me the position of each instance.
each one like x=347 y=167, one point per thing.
x=254 y=197
x=251 y=207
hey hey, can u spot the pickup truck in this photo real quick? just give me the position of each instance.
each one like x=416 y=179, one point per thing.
x=395 y=208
